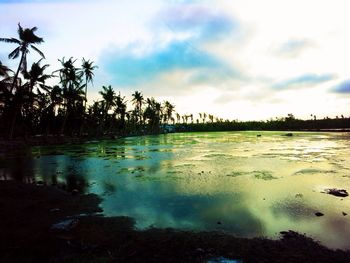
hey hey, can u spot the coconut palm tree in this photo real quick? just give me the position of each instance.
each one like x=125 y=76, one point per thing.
x=69 y=75
x=211 y=118
x=137 y=101
x=35 y=102
x=27 y=38
x=120 y=110
x=72 y=90
x=36 y=76
x=204 y=117
x=109 y=97
x=153 y=114
x=178 y=117
x=87 y=69
x=168 y=108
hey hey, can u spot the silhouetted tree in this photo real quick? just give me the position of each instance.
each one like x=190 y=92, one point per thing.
x=87 y=69
x=27 y=38
x=168 y=109
x=138 y=101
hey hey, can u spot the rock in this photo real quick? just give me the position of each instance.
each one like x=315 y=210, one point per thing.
x=337 y=192
x=319 y=214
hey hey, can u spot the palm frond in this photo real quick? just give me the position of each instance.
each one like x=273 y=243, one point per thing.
x=45 y=87
x=15 y=53
x=37 y=50
x=10 y=40
x=20 y=31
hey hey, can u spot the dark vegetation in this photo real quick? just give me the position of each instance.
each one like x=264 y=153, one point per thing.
x=29 y=106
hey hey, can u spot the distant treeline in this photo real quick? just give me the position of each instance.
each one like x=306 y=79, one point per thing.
x=283 y=124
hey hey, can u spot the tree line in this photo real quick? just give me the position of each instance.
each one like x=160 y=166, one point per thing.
x=29 y=106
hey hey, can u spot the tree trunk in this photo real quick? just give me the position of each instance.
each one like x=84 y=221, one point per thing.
x=13 y=122
x=17 y=72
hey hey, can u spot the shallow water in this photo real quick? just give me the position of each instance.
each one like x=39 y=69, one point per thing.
x=232 y=181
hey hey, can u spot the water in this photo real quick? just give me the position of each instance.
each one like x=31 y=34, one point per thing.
x=231 y=181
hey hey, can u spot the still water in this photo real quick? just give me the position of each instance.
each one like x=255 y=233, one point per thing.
x=229 y=181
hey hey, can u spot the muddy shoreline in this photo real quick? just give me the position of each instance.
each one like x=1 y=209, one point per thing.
x=61 y=140
x=28 y=212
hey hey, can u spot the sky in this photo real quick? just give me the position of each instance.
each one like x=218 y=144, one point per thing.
x=235 y=59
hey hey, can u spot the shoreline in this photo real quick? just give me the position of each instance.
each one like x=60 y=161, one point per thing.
x=29 y=211
x=41 y=140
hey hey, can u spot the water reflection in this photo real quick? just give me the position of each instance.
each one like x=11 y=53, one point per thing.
x=235 y=181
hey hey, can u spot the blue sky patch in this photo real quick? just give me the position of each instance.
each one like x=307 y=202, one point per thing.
x=130 y=69
x=303 y=80
x=343 y=87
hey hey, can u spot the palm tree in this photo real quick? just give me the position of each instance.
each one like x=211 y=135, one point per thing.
x=121 y=109
x=211 y=118
x=178 y=117
x=36 y=76
x=87 y=68
x=186 y=118
x=137 y=101
x=35 y=103
x=109 y=96
x=168 y=108
x=27 y=38
x=72 y=89
x=153 y=114
x=69 y=74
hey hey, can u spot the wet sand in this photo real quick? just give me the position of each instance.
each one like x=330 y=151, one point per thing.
x=27 y=213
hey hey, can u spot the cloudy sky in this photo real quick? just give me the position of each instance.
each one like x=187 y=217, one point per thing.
x=236 y=59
